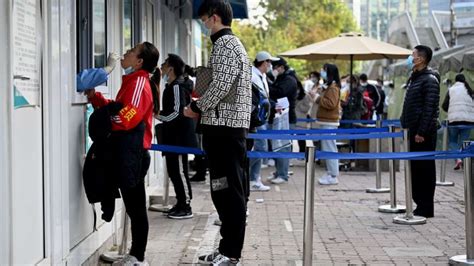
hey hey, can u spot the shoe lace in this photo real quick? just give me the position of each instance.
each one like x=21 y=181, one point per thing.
x=220 y=259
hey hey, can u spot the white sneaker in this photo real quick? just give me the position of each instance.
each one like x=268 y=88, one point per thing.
x=328 y=180
x=258 y=186
x=271 y=162
x=270 y=178
x=127 y=260
x=263 y=166
x=279 y=180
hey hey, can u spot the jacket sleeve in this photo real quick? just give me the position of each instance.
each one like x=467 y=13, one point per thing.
x=225 y=70
x=90 y=78
x=98 y=100
x=176 y=105
x=445 y=105
x=431 y=104
x=135 y=105
x=283 y=88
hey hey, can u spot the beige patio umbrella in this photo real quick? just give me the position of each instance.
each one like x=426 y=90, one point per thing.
x=349 y=46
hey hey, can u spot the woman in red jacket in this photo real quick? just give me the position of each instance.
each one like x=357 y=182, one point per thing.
x=131 y=137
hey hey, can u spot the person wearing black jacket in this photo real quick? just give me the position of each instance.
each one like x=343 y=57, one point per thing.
x=177 y=130
x=420 y=116
x=285 y=85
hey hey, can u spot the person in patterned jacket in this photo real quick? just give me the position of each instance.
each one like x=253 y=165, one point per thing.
x=225 y=119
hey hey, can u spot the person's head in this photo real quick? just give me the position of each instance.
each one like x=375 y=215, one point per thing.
x=215 y=14
x=263 y=61
x=461 y=78
x=314 y=76
x=380 y=82
x=172 y=68
x=420 y=57
x=354 y=81
x=143 y=56
x=332 y=74
x=279 y=67
x=363 y=79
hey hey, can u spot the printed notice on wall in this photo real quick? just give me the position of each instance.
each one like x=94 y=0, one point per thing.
x=26 y=52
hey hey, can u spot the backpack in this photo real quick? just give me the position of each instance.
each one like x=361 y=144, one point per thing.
x=260 y=108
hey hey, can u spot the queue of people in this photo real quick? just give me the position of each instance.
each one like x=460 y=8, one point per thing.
x=239 y=100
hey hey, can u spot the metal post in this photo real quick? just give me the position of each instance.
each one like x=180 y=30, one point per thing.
x=308 y=207
x=393 y=207
x=164 y=206
x=116 y=255
x=378 y=173
x=442 y=174
x=408 y=218
x=467 y=259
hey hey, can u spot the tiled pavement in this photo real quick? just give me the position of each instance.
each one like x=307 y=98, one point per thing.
x=348 y=229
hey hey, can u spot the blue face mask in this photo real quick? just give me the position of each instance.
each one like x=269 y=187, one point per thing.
x=128 y=70
x=165 y=78
x=410 y=62
x=324 y=74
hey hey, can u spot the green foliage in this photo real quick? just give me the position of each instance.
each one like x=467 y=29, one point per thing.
x=293 y=24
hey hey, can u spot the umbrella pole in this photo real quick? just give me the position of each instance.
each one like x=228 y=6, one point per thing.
x=350 y=77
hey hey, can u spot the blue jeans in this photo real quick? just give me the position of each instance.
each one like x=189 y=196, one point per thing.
x=330 y=145
x=282 y=165
x=255 y=164
x=456 y=137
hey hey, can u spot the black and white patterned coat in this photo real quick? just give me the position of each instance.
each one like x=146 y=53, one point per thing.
x=225 y=103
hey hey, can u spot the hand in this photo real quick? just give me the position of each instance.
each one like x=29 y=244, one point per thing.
x=419 y=139
x=111 y=62
x=89 y=93
x=188 y=112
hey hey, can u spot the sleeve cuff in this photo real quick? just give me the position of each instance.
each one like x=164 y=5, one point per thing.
x=194 y=107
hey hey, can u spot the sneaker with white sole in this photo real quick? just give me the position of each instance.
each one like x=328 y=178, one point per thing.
x=270 y=178
x=328 y=180
x=258 y=186
x=208 y=258
x=222 y=260
x=279 y=180
x=127 y=260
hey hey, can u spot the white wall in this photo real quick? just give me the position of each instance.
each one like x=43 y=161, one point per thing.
x=5 y=136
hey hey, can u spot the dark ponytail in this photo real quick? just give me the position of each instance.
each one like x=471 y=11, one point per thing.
x=461 y=78
x=155 y=81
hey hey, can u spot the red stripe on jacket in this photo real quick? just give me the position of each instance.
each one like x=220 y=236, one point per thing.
x=137 y=100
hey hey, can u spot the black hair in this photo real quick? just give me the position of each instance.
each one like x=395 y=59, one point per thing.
x=176 y=63
x=333 y=74
x=222 y=8
x=425 y=52
x=461 y=78
x=155 y=81
x=257 y=64
x=315 y=73
x=189 y=71
x=150 y=56
x=363 y=77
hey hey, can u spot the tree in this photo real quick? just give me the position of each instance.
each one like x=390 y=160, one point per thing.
x=292 y=24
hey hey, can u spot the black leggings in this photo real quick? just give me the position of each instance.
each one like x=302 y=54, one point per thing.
x=172 y=165
x=134 y=199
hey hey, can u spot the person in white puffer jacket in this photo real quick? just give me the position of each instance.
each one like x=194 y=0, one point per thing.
x=459 y=105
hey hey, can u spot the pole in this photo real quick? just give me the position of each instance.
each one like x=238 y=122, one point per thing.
x=378 y=175
x=408 y=218
x=308 y=207
x=164 y=206
x=393 y=207
x=442 y=174
x=467 y=259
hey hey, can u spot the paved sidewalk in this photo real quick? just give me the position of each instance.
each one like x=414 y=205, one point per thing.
x=348 y=228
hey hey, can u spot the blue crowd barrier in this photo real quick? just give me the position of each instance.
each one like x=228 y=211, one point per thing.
x=176 y=149
x=309 y=120
x=378 y=135
x=323 y=131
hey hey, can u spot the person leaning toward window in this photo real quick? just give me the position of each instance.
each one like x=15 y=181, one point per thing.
x=130 y=138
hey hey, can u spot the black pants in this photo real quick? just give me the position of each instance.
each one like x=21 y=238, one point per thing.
x=423 y=175
x=135 y=204
x=172 y=165
x=200 y=165
x=227 y=156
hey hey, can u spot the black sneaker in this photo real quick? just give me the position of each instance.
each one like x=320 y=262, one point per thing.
x=172 y=209
x=181 y=213
x=198 y=178
x=208 y=258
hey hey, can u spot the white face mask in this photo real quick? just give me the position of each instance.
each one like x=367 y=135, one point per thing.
x=128 y=70
x=363 y=84
x=275 y=73
x=343 y=84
